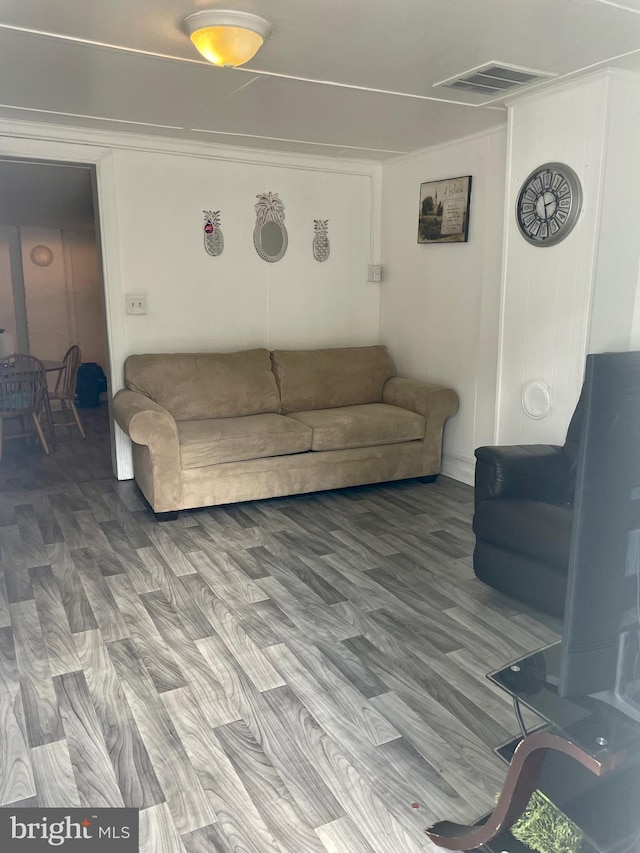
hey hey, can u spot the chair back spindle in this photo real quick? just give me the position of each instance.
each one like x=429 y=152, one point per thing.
x=22 y=384
x=65 y=390
x=67 y=377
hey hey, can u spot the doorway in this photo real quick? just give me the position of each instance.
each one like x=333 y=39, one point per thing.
x=51 y=283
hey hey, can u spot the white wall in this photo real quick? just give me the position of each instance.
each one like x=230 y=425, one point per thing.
x=460 y=314
x=64 y=300
x=49 y=319
x=84 y=283
x=547 y=291
x=615 y=316
x=237 y=300
x=579 y=296
x=439 y=304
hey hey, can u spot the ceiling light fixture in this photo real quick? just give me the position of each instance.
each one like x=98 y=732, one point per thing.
x=226 y=37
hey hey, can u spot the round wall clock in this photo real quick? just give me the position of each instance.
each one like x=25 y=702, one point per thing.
x=549 y=204
x=41 y=256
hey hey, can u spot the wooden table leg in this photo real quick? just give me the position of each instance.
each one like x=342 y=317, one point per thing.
x=521 y=782
x=49 y=417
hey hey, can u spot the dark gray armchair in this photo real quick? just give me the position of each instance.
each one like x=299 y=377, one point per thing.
x=522 y=520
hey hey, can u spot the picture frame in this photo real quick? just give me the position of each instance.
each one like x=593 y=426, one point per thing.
x=443 y=211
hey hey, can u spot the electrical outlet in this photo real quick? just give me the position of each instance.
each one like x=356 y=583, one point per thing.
x=375 y=273
x=136 y=303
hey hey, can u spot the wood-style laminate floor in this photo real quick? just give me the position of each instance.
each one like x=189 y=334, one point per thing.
x=285 y=676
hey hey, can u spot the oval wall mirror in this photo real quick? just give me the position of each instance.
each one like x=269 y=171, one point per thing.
x=270 y=235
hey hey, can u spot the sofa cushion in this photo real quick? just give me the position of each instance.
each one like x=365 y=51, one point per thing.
x=539 y=530
x=361 y=426
x=329 y=378
x=195 y=386
x=215 y=440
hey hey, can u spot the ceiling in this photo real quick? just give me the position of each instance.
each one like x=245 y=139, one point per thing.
x=348 y=78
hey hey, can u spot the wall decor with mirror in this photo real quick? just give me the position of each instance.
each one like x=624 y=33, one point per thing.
x=270 y=235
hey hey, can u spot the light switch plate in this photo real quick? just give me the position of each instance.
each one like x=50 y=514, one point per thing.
x=375 y=273
x=136 y=303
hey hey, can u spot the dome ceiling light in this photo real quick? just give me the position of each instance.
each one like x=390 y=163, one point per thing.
x=225 y=37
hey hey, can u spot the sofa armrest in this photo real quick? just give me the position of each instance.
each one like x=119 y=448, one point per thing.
x=143 y=420
x=526 y=471
x=425 y=398
x=150 y=425
x=434 y=402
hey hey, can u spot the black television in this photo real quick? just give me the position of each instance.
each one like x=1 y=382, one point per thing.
x=600 y=651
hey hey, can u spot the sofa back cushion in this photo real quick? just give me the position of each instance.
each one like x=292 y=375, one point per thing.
x=198 y=385
x=330 y=378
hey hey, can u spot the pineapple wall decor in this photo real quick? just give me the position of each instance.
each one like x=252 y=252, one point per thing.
x=213 y=236
x=321 y=245
x=270 y=235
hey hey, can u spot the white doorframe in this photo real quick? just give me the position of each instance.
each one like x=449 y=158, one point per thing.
x=103 y=160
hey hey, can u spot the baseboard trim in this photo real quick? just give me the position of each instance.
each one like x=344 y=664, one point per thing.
x=459 y=468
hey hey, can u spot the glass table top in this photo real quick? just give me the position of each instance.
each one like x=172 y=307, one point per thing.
x=595 y=726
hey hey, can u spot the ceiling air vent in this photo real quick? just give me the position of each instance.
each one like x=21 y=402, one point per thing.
x=495 y=78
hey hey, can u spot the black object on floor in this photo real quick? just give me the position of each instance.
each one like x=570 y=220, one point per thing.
x=91 y=383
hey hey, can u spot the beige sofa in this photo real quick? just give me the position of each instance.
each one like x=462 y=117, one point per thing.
x=216 y=428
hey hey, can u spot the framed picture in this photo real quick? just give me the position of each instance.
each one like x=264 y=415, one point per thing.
x=443 y=215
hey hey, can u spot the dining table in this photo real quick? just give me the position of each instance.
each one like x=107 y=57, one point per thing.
x=52 y=366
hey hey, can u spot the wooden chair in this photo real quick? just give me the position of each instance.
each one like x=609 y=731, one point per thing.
x=65 y=390
x=23 y=386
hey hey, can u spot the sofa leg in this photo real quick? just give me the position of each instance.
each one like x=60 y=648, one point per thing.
x=166 y=516
x=430 y=479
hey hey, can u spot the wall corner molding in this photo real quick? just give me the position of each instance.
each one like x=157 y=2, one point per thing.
x=459 y=468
